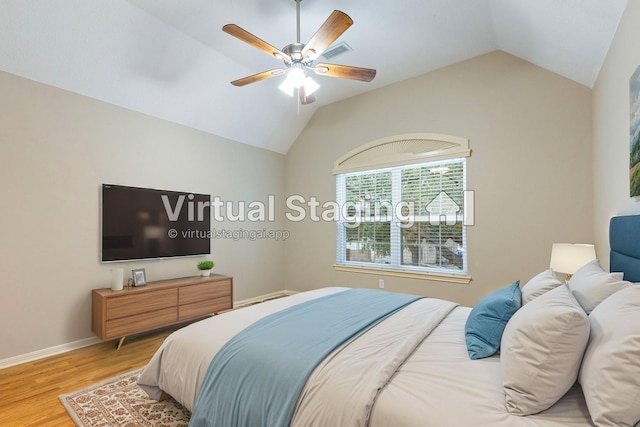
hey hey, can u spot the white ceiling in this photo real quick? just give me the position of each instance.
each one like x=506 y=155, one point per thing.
x=170 y=58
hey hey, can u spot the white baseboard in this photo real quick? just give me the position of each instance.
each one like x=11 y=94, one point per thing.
x=63 y=348
x=262 y=298
x=47 y=352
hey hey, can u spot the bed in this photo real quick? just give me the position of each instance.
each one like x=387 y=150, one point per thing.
x=413 y=367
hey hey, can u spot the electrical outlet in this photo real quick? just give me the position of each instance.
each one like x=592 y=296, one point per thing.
x=381 y=283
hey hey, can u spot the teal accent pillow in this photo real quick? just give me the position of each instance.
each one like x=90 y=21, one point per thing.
x=488 y=318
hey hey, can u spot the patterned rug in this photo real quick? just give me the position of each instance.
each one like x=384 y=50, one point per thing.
x=119 y=402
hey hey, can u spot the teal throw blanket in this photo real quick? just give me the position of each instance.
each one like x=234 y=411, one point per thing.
x=256 y=377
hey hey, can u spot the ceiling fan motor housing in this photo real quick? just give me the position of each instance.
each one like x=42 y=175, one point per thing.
x=294 y=50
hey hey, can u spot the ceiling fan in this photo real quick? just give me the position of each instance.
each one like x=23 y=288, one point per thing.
x=299 y=57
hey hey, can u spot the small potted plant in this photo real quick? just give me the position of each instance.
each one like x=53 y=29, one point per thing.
x=205 y=268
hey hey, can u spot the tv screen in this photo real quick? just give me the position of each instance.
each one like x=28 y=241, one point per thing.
x=142 y=223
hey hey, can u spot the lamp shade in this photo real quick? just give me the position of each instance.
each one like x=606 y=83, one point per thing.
x=295 y=78
x=567 y=258
x=289 y=85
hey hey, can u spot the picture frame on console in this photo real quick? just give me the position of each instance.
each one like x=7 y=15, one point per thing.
x=139 y=277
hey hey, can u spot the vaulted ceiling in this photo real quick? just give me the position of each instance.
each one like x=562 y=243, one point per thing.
x=170 y=58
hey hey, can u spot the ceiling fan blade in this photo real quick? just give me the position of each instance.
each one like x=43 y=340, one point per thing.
x=254 y=41
x=336 y=24
x=304 y=98
x=345 y=72
x=258 y=77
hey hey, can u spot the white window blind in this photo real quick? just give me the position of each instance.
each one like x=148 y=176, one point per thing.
x=404 y=217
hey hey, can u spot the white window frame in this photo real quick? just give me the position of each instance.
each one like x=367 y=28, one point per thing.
x=395 y=154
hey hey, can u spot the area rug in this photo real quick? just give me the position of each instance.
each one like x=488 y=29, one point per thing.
x=119 y=402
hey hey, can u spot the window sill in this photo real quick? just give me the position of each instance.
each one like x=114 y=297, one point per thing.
x=403 y=273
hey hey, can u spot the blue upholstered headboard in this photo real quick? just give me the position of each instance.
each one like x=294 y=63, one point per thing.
x=624 y=240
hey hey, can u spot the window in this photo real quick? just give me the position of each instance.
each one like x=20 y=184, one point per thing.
x=407 y=217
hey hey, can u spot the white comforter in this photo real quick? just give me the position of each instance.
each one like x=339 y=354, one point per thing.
x=179 y=365
x=410 y=370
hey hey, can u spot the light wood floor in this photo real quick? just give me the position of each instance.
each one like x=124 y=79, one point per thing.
x=29 y=392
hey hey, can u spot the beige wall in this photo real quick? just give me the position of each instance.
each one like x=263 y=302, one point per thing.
x=530 y=132
x=611 y=130
x=56 y=149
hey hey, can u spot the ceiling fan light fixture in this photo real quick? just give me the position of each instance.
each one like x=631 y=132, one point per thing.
x=287 y=88
x=295 y=79
x=310 y=86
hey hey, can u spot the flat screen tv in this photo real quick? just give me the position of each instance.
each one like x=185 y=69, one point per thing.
x=143 y=223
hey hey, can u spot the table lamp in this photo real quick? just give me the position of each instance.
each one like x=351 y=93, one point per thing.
x=567 y=258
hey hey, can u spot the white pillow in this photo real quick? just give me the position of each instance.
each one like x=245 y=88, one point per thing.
x=610 y=372
x=539 y=285
x=541 y=350
x=591 y=285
